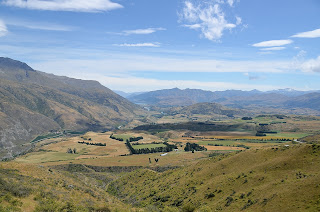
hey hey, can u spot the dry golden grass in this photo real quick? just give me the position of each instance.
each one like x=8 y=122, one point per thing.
x=53 y=152
x=223 y=148
x=268 y=179
x=61 y=188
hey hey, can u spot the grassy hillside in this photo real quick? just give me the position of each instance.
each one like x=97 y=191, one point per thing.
x=312 y=139
x=26 y=187
x=272 y=179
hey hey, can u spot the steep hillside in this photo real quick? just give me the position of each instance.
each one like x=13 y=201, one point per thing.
x=91 y=90
x=44 y=102
x=19 y=125
x=273 y=179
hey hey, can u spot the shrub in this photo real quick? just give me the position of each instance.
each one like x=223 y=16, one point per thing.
x=229 y=201
x=188 y=208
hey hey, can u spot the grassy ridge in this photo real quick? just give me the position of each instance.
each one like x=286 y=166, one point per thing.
x=39 y=188
x=272 y=179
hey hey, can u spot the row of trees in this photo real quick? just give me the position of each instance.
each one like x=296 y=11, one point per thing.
x=115 y=138
x=167 y=148
x=94 y=144
x=131 y=139
x=194 y=147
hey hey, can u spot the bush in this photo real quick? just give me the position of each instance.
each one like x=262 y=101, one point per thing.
x=229 y=201
x=260 y=134
x=17 y=190
x=188 y=208
x=194 y=147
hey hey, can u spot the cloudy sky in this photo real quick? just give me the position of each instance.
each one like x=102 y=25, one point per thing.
x=142 y=45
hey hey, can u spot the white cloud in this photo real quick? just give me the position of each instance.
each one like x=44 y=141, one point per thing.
x=298 y=60
x=273 y=48
x=272 y=43
x=309 y=34
x=230 y=2
x=142 y=31
x=239 y=20
x=137 y=84
x=208 y=17
x=253 y=77
x=60 y=59
x=139 y=63
x=312 y=65
x=65 y=5
x=139 y=45
x=39 y=25
x=300 y=63
x=3 y=29
x=193 y=26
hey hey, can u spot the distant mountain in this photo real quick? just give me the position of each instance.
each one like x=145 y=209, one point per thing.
x=177 y=97
x=283 y=100
x=174 y=97
x=311 y=100
x=263 y=100
x=291 y=92
x=210 y=109
x=33 y=102
x=127 y=95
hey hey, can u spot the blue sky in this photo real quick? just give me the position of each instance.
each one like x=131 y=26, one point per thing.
x=147 y=45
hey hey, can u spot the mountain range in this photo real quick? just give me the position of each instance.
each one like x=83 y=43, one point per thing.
x=210 y=109
x=33 y=103
x=284 y=100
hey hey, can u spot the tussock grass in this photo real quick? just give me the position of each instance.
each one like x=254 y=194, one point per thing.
x=271 y=179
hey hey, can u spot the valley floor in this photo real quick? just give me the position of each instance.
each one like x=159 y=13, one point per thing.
x=238 y=171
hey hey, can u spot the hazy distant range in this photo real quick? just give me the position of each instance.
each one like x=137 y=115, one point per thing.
x=283 y=100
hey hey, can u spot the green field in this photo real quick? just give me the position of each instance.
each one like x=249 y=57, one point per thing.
x=123 y=136
x=288 y=135
x=239 y=143
x=149 y=146
x=224 y=143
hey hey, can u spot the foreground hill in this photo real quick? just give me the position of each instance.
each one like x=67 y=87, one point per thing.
x=272 y=179
x=312 y=139
x=27 y=188
x=33 y=103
